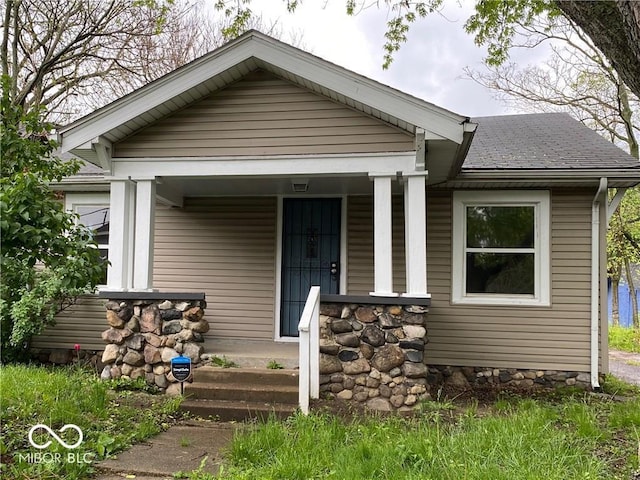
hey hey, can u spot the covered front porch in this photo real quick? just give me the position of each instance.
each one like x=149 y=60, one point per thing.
x=260 y=242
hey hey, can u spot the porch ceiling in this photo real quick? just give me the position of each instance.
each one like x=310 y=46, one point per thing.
x=259 y=186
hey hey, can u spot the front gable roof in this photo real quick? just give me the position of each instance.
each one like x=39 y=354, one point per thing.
x=233 y=61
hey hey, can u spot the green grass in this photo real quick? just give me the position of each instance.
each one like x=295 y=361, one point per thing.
x=55 y=397
x=625 y=339
x=577 y=437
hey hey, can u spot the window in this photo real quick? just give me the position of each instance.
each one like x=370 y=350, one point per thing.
x=501 y=247
x=93 y=211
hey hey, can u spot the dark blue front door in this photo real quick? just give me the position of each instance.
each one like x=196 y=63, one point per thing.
x=310 y=254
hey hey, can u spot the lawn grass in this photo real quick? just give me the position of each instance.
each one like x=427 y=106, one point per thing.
x=625 y=339
x=575 y=437
x=55 y=397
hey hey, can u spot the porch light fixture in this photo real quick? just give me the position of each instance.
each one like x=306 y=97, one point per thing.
x=300 y=186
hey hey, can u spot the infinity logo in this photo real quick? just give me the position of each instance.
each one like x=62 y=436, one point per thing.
x=53 y=434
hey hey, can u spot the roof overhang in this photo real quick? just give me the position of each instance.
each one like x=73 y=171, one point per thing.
x=233 y=61
x=617 y=178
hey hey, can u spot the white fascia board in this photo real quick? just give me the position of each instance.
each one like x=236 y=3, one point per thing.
x=412 y=110
x=154 y=94
x=263 y=166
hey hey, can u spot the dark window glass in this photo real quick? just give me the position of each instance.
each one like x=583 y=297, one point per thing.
x=96 y=218
x=500 y=227
x=505 y=273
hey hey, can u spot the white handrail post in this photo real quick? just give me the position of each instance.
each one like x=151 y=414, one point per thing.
x=309 y=350
x=303 y=389
x=314 y=345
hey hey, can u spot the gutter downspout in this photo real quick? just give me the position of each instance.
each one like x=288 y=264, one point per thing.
x=598 y=200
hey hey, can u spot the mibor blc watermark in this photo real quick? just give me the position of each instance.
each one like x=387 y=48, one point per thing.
x=55 y=457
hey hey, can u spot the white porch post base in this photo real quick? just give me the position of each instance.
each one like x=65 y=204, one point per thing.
x=415 y=219
x=382 y=235
x=144 y=235
x=120 y=269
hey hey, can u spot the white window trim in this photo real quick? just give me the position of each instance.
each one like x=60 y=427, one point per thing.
x=542 y=203
x=87 y=199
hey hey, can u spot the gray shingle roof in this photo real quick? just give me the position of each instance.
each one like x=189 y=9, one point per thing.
x=541 y=141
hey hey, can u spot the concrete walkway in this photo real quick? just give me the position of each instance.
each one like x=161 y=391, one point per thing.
x=180 y=449
x=625 y=366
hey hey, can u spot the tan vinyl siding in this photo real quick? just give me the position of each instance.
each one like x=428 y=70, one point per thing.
x=82 y=323
x=360 y=245
x=224 y=247
x=264 y=115
x=555 y=337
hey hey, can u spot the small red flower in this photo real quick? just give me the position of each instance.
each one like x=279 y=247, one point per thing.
x=76 y=347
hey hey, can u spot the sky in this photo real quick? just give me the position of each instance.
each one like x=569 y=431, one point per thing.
x=429 y=66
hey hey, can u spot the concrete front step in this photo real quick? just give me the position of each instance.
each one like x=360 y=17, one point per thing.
x=250 y=376
x=241 y=393
x=226 y=411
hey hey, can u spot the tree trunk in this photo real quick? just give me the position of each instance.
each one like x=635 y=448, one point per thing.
x=615 y=300
x=634 y=299
x=614 y=27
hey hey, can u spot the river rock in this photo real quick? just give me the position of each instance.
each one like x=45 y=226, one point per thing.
x=372 y=335
x=329 y=364
x=347 y=339
x=110 y=353
x=366 y=315
x=341 y=326
x=134 y=358
x=387 y=358
x=150 y=320
x=152 y=355
x=356 y=367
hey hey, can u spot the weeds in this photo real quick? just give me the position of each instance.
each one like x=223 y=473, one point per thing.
x=223 y=362
x=625 y=339
x=273 y=365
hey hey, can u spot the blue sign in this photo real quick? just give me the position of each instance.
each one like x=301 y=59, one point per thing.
x=181 y=368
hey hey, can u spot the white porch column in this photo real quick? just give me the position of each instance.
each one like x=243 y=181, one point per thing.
x=122 y=203
x=415 y=220
x=144 y=234
x=382 y=238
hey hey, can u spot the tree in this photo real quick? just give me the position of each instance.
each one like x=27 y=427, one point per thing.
x=188 y=31
x=47 y=260
x=613 y=25
x=52 y=50
x=579 y=80
x=76 y=56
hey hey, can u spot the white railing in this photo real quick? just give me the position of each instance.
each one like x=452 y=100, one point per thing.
x=309 y=330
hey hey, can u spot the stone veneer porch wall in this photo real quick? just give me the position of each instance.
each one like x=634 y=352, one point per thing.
x=147 y=330
x=374 y=354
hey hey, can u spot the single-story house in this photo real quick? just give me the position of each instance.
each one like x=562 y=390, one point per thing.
x=259 y=170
